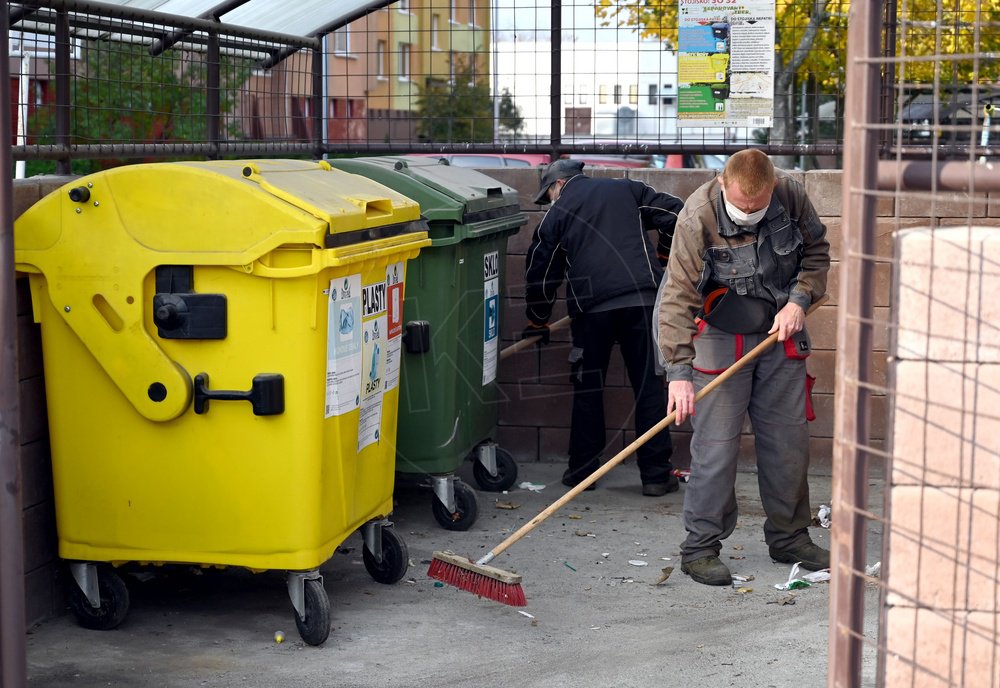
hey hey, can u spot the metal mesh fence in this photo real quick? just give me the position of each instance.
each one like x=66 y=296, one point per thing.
x=917 y=330
x=434 y=76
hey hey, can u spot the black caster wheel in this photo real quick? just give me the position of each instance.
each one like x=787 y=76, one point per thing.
x=315 y=628
x=506 y=473
x=466 y=509
x=395 y=559
x=114 y=601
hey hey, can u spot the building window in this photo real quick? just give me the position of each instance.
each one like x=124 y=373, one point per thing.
x=652 y=94
x=342 y=41
x=602 y=94
x=568 y=98
x=435 y=23
x=633 y=94
x=582 y=90
x=618 y=94
x=380 y=59
x=404 y=61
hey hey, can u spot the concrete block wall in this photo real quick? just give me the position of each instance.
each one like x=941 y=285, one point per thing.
x=943 y=591
x=534 y=419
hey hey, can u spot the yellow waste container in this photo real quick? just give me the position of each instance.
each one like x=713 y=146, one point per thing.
x=221 y=344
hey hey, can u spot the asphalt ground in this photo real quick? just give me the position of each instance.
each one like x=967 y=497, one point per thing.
x=598 y=613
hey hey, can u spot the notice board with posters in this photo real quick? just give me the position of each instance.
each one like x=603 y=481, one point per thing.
x=725 y=63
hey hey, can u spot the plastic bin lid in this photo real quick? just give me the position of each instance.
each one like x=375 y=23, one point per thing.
x=456 y=194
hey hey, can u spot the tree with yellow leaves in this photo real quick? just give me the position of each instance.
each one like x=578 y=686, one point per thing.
x=811 y=42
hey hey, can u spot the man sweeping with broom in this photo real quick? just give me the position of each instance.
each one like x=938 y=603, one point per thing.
x=749 y=257
x=768 y=218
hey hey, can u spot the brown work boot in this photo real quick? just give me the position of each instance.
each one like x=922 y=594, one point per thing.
x=811 y=556
x=709 y=571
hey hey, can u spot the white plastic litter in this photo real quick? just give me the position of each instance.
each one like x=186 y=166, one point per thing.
x=817 y=576
x=823 y=515
x=534 y=487
x=794 y=581
x=638 y=562
x=525 y=614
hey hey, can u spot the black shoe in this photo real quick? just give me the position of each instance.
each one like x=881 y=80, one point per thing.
x=709 y=571
x=573 y=478
x=659 y=489
x=811 y=556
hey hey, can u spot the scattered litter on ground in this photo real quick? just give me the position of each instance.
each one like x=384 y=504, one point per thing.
x=524 y=613
x=744 y=591
x=784 y=600
x=737 y=578
x=507 y=505
x=823 y=516
x=605 y=554
x=733 y=556
x=794 y=582
x=664 y=558
x=664 y=575
x=638 y=562
x=738 y=548
x=411 y=581
x=584 y=533
x=575 y=517
x=438 y=584
x=595 y=628
x=534 y=487
x=682 y=474
x=567 y=565
x=817 y=576
x=875 y=570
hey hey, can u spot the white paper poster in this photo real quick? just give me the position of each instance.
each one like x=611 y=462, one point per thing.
x=491 y=315
x=394 y=328
x=725 y=63
x=343 y=346
x=373 y=355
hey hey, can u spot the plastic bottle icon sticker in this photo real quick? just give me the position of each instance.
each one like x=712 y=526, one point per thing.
x=346 y=320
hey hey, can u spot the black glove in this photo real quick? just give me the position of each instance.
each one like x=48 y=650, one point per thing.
x=540 y=332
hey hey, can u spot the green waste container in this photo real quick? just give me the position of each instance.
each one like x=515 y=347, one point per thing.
x=448 y=401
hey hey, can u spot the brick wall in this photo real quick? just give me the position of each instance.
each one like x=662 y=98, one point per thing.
x=534 y=419
x=943 y=604
x=44 y=596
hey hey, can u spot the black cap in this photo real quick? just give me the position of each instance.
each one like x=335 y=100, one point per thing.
x=560 y=169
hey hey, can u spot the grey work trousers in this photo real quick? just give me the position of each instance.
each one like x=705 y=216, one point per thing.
x=772 y=389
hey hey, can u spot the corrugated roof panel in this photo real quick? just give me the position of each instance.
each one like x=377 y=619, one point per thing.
x=299 y=18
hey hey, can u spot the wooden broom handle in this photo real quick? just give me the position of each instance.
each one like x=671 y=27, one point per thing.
x=530 y=341
x=636 y=443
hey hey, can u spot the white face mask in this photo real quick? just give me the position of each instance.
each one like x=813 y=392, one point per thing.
x=741 y=218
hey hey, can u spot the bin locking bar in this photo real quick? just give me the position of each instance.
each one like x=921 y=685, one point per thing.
x=266 y=394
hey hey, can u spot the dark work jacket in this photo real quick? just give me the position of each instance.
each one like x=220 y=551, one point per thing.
x=594 y=237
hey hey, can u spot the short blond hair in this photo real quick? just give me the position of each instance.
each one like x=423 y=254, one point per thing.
x=751 y=170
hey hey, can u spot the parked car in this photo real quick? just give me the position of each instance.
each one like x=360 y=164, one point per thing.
x=695 y=160
x=944 y=118
x=485 y=160
x=598 y=160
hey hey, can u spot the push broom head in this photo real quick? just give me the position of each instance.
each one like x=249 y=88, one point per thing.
x=485 y=581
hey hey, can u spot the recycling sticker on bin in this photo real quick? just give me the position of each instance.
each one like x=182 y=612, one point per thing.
x=394 y=329
x=491 y=315
x=374 y=299
x=343 y=346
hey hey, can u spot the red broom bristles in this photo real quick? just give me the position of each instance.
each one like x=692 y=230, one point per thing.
x=477 y=583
